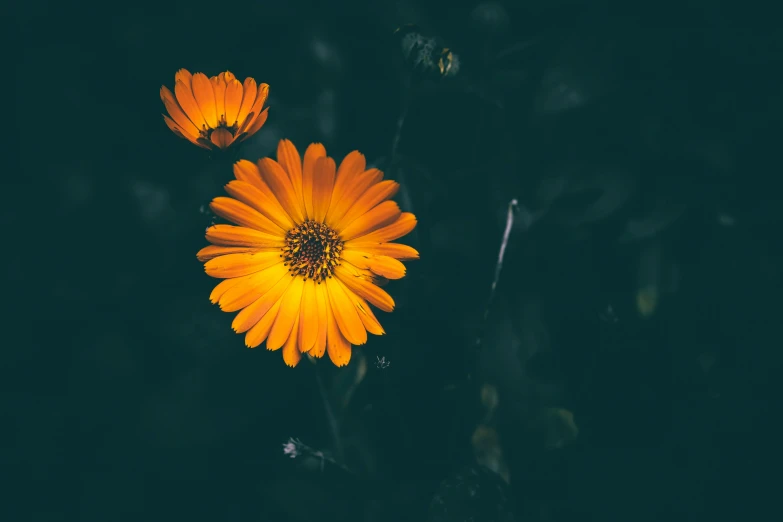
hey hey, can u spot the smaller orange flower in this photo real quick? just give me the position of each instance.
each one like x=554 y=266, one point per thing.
x=214 y=112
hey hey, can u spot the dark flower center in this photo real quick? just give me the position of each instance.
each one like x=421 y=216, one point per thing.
x=312 y=250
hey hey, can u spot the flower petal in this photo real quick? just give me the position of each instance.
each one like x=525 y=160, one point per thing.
x=224 y=286
x=289 y=312
x=229 y=235
x=291 y=354
x=313 y=152
x=244 y=215
x=249 y=91
x=382 y=215
x=176 y=129
x=322 y=302
x=308 y=319
x=219 y=88
x=323 y=185
x=352 y=165
x=385 y=266
x=352 y=193
x=222 y=138
x=374 y=195
x=404 y=224
x=233 y=100
x=262 y=200
x=188 y=103
x=288 y=158
x=395 y=250
x=257 y=124
x=251 y=287
x=255 y=109
x=175 y=111
x=368 y=318
x=213 y=251
x=277 y=180
x=237 y=265
x=345 y=312
x=365 y=289
x=256 y=310
x=258 y=333
x=336 y=344
x=205 y=96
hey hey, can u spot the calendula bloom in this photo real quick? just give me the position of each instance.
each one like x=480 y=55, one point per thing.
x=214 y=112
x=310 y=246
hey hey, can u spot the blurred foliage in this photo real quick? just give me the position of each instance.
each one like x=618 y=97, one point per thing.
x=629 y=362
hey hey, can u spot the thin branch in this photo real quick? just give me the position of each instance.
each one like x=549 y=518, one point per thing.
x=512 y=206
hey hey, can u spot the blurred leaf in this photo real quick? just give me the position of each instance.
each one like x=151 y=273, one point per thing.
x=488 y=451
x=559 y=427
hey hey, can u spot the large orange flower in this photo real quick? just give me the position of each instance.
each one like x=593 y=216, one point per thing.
x=311 y=246
x=214 y=112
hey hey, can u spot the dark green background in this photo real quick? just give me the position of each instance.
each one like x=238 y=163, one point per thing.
x=642 y=144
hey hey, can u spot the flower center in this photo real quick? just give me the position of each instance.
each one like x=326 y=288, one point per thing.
x=206 y=131
x=312 y=250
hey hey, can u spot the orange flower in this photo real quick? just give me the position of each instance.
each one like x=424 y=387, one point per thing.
x=310 y=247
x=214 y=112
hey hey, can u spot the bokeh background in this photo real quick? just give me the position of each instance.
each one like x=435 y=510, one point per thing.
x=625 y=368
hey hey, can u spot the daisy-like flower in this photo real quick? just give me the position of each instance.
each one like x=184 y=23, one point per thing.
x=214 y=112
x=311 y=244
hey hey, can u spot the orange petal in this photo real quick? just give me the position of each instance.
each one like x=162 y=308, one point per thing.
x=249 y=91
x=277 y=180
x=322 y=303
x=356 y=258
x=365 y=289
x=291 y=354
x=308 y=320
x=176 y=129
x=205 y=96
x=336 y=344
x=313 y=152
x=236 y=265
x=188 y=103
x=175 y=111
x=253 y=312
x=352 y=165
x=261 y=200
x=233 y=100
x=255 y=109
x=258 y=333
x=404 y=224
x=352 y=193
x=219 y=88
x=345 y=312
x=395 y=250
x=288 y=158
x=229 y=235
x=224 y=286
x=248 y=172
x=212 y=251
x=184 y=76
x=382 y=215
x=323 y=184
x=368 y=318
x=244 y=215
x=251 y=287
x=222 y=138
x=289 y=311
x=257 y=124
x=385 y=266
x=374 y=195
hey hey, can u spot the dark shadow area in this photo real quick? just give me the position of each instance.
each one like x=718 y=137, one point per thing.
x=626 y=369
